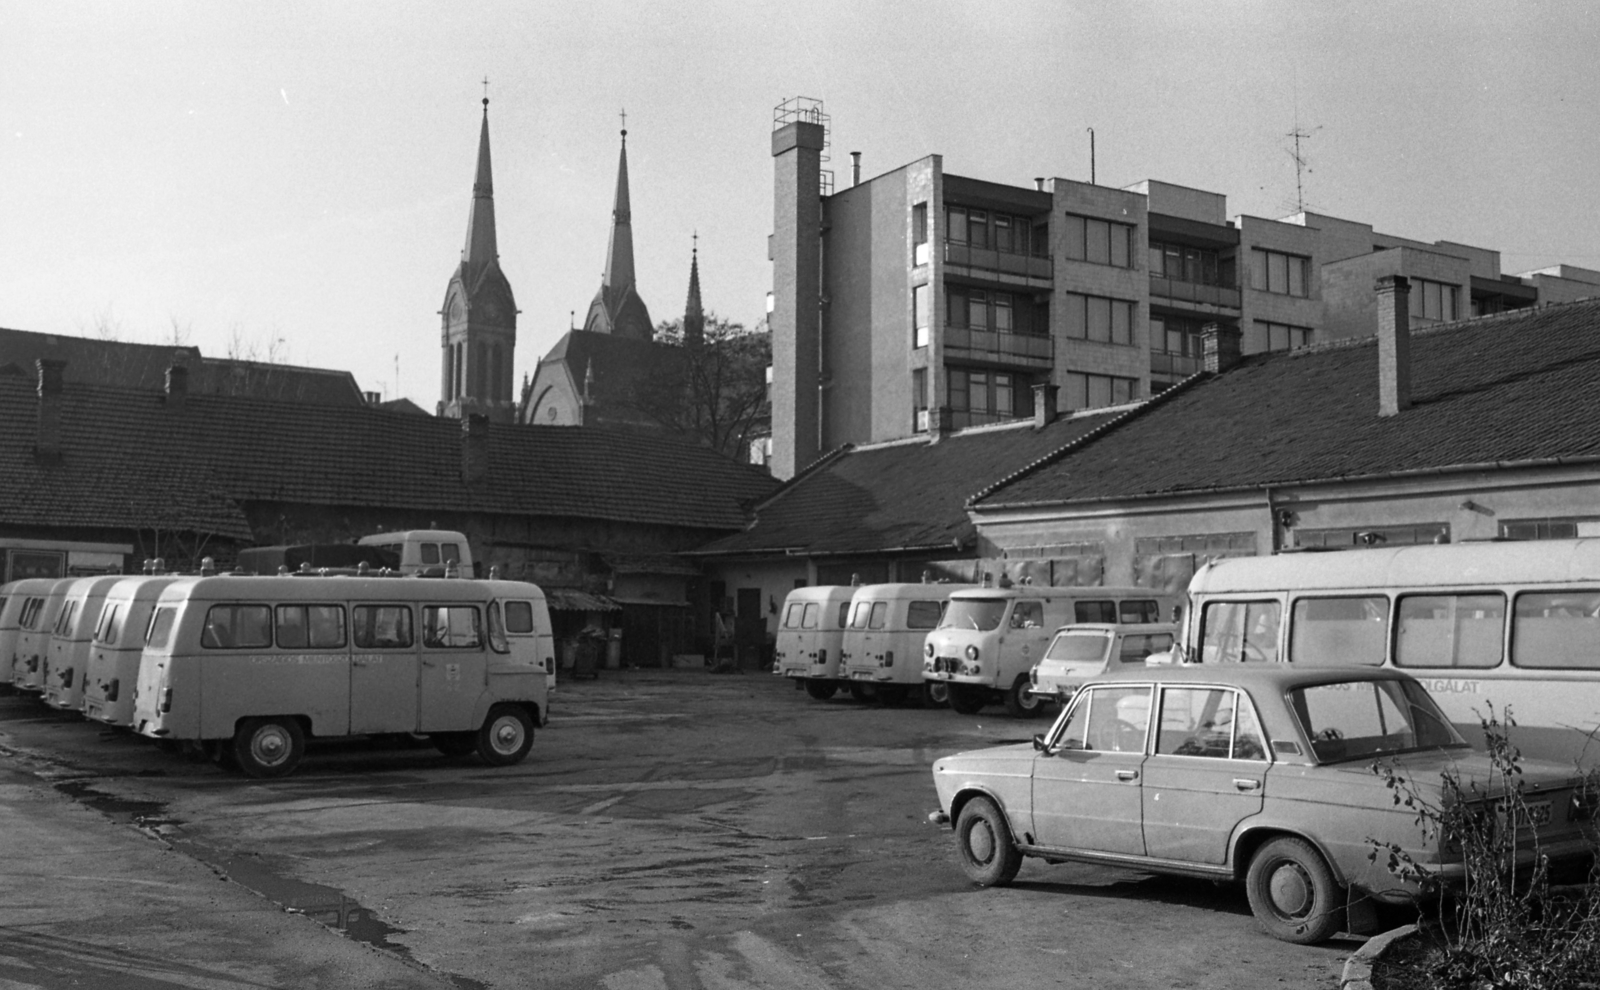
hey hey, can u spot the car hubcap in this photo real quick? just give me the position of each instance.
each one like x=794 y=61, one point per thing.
x=270 y=746
x=980 y=842
x=1290 y=889
x=939 y=694
x=507 y=735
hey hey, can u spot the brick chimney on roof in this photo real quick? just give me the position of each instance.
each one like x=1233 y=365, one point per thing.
x=1394 y=344
x=474 y=448
x=177 y=386
x=1222 y=347
x=47 y=447
x=1045 y=408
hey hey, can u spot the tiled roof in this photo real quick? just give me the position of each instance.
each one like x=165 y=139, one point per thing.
x=896 y=496
x=1520 y=387
x=620 y=366
x=131 y=460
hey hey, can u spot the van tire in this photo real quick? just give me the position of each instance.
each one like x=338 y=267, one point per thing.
x=863 y=692
x=1021 y=702
x=935 y=694
x=892 y=694
x=268 y=747
x=506 y=736
x=454 y=744
x=820 y=689
x=968 y=699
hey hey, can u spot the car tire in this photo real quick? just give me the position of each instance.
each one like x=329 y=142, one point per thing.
x=1020 y=703
x=268 y=747
x=968 y=699
x=454 y=744
x=506 y=736
x=820 y=689
x=935 y=694
x=1292 y=892
x=983 y=844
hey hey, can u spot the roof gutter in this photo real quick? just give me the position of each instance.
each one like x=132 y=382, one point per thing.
x=956 y=544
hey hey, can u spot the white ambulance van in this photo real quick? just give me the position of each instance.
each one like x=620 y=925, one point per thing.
x=14 y=599
x=251 y=667
x=35 y=626
x=113 y=671
x=883 y=647
x=68 y=660
x=990 y=638
x=811 y=638
x=1083 y=651
x=429 y=552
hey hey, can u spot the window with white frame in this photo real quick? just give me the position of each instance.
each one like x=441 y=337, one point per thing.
x=1432 y=300
x=1279 y=273
x=1098 y=241
x=921 y=314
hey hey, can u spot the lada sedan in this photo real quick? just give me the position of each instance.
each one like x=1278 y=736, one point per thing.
x=1261 y=774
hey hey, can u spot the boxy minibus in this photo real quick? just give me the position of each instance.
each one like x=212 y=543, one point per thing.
x=113 y=672
x=882 y=649
x=250 y=667
x=990 y=638
x=1512 y=625
x=811 y=638
x=19 y=596
x=68 y=658
x=35 y=625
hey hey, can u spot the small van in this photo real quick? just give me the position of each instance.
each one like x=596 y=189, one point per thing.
x=990 y=638
x=70 y=640
x=112 y=673
x=883 y=647
x=1086 y=650
x=249 y=668
x=811 y=638
x=429 y=552
x=35 y=625
x=16 y=597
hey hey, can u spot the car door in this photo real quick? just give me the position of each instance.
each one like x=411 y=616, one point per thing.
x=1087 y=781
x=454 y=666
x=1206 y=773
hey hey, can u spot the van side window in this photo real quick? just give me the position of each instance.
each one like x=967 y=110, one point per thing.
x=107 y=633
x=451 y=627
x=450 y=553
x=1556 y=630
x=880 y=615
x=1139 y=610
x=1450 y=630
x=923 y=615
x=160 y=628
x=791 y=615
x=430 y=552
x=844 y=614
x=237 y=627
x=497 y=630
x=1027 y=615
x=64 y=620
x=30 y=609
x=813 y=612
x=380 y=627
x=859 y=620
x=1339 y=630
x=1239 y=631
x=519 y=617
x=1094 y=611
x=318 y=627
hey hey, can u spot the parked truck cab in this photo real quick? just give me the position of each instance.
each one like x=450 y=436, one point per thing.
x=883 y=646
x=811 y=638
x=429 y=552
x=990 y=638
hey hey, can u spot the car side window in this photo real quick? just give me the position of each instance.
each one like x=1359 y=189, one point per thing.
x=1107 y=720
x=1215 y=722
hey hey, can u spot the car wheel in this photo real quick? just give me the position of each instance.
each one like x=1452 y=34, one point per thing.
x=820 y=689
x=862 y=692
x=268 y=747
x=892 y=694
x=935 y=694
x=1020 y=703
x=968 y=699
x=454 y=744
x=984 y=846
x=1292 y=892
x=506 y=736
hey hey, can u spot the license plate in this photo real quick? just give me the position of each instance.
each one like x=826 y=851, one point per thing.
x=860 y=675
x=1538 y=812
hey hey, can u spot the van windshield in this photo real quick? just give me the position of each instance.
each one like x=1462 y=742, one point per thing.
x=982 y=614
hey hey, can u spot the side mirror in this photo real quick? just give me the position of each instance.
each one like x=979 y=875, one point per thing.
x=1038 y=741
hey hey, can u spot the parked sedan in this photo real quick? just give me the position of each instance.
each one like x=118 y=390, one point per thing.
x=1261 y=774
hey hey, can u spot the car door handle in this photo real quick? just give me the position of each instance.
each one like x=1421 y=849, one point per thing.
x=1127 y=775
x=1246 y=784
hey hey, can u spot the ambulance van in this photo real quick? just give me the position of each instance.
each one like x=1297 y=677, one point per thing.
x=112 y=675
x=69 y=643
x=883 y=647
x=35 y=625
x=811 y=638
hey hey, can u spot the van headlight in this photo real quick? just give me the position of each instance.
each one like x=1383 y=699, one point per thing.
x=927 y=649
x=972 y=653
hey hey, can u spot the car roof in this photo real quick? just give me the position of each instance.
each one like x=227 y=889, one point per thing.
x=1258 y=676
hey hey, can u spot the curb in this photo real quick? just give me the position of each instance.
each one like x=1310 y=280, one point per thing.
x=1357 y=973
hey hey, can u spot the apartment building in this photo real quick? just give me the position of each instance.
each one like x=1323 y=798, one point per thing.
x=922 y=301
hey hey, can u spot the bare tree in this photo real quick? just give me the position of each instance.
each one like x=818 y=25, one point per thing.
x=713 y=391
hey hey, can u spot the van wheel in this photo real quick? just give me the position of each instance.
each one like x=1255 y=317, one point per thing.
x=935 y=694
x=1020 y=703
x=820 y=689
x=506 y=736
x=968 y=699
x=892 y=694
x=454 y=744
x=268 y=747
x=862 y=692
x=1292 y=892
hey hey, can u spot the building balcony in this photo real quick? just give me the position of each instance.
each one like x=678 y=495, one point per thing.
x=1193 y=295
x=1020 y=350
x=1162 y=363
x=1022 y=270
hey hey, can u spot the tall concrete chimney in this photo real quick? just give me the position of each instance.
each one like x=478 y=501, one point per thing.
x=796 y=317
x=474 y=448
x=855 y=168
x=1044 y=404
x=1222 y=348
x=47 y=444
x=1394 y=344
x=177 y=386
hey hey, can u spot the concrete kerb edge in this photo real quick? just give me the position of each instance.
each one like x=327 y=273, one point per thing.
x=1357 y=973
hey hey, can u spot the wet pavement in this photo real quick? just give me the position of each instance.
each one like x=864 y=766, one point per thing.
x=671 y=829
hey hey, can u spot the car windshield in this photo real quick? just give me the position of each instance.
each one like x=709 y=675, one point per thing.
x=1360 y=719
x=982 y=614
x=1078 y=647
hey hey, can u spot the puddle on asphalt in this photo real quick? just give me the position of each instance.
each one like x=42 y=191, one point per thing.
x=321 y=903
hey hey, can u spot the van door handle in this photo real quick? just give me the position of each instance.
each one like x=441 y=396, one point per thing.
x=1127 y=775
x=1246 y=784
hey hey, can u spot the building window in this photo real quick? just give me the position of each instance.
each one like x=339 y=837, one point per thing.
x=1282 y=274
x=1098 y=318
x=1182 y=263
x=1098 y=241
x=980 y=396
x=1432 y=300
x=1373 y=536
x=919 y=399
x=1559 y=528
x=1177 y=336
x=1283 y=337
x=1097 y=391
x=921 y=315
x=982 y=309
x=1000 y=231
x=919 y=234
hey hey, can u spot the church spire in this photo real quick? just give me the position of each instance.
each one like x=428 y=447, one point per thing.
x=617 y=308
x=694 y=314
x=619 y=256
x=481 y=245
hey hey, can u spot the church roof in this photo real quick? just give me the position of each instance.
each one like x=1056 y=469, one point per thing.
x=614 y=369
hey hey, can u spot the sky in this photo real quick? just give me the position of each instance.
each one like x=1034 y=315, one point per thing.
x=292 y=180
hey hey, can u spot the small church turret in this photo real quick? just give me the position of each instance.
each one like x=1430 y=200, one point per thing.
x=617 y=308
x=479 y=333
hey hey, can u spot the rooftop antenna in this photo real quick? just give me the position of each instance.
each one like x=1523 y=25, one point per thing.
x=1091 y=155
x=1302 y=167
